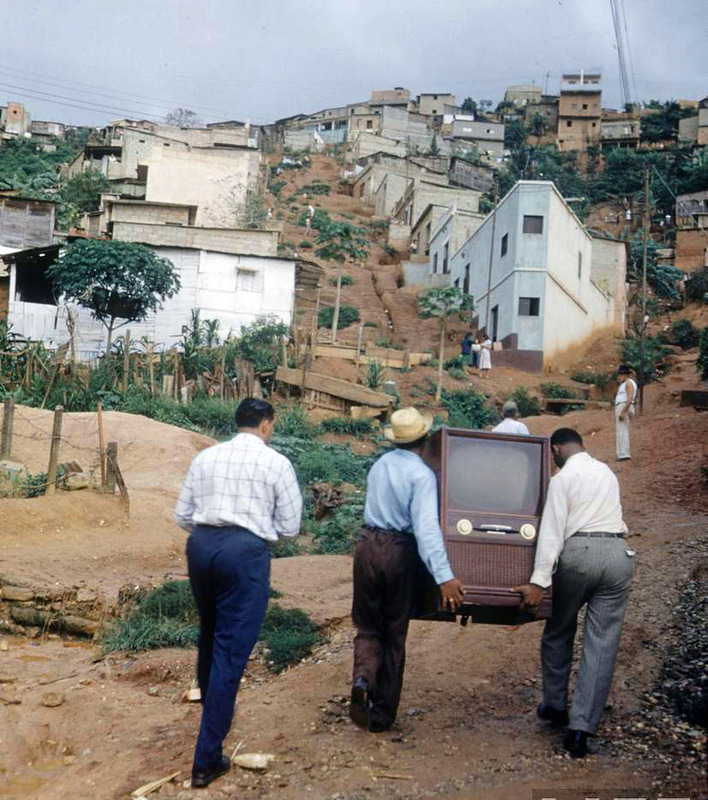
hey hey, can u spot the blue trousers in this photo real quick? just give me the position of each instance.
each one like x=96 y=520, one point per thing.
x=229 y=570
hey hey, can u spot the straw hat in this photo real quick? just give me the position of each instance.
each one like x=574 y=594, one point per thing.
x=510 y=405
x=407 y=425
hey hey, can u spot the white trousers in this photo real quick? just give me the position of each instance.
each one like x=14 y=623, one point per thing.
x=622 y=431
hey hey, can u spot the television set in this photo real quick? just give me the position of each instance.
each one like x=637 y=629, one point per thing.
x=492 y=487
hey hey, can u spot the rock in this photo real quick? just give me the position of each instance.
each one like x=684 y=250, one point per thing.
x=12 y=468
x=75 y=481
x=154 y=691
x=33 y=632
x=4 y=647
x=17 y=593
x=7 y=678
x=52 y=699
x=69 y=760
x=86 y=596
x=8 y=696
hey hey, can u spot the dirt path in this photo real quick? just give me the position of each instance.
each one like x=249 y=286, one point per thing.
x=466 y=728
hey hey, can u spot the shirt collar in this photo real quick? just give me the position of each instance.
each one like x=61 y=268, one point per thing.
x=251 y=437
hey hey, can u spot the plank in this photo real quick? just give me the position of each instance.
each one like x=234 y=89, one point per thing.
x=337 y=387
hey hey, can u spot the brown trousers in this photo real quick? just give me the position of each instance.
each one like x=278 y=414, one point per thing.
x=386 y=566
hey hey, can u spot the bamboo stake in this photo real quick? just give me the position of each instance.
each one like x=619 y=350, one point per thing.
x=54 y=451
x=126 y=360
x=101 y=444
x=151 y=367
x=358 y=343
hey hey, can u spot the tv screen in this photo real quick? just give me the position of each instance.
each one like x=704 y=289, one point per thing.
x=494 y=475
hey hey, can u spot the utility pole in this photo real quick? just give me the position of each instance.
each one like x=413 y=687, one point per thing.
x=645 y=247
x=491 y=261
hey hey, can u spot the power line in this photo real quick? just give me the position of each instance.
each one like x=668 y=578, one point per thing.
x=86 y=105
x=64 y=83
x=635 y=94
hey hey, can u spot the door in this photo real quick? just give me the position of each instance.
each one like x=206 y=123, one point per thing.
x=495 y=323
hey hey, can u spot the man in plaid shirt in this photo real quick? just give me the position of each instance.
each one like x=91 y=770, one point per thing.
x=237 y=496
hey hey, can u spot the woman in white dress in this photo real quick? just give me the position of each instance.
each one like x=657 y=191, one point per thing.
x=485 y=357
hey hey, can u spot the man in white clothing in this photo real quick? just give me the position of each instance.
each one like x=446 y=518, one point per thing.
x=582 y=553
x=510 y=423
x=625 y=403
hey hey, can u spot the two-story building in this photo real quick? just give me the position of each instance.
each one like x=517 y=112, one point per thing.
x=580 y=110
x=540 y=282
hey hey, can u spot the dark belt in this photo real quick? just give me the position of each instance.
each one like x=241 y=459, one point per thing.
x=403 y=536
x=599 y=535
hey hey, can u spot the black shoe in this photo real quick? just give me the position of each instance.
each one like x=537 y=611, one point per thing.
x=379 y=727
x=359 y=705
x=203 y=777
x=576 y=743
x=559 y=719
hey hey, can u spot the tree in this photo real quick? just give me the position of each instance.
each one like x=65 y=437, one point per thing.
x=661 y=278
x=340 y=242
x=469 y=106
x=183 y=118
x=434 y=147
x=444 y=304
x=81 y=193
x=114 y=280
x=538 y=125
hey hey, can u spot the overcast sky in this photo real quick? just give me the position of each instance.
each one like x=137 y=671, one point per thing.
x=265 y=59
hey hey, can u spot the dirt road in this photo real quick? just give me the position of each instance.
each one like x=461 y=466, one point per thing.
x=466 y=728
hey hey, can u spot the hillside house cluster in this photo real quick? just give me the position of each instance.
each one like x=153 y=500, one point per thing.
x=179 y=191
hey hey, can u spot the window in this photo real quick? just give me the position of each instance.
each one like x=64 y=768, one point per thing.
x=435 y=262
x=533 y=224
x=504 y=244
x=435 y=111
x=246 y=280
x=528 y=306
x=569 y=123
x=594 y=124
x=466 y=284
x=446 y=267
x=369 y=124
x=580 y=265
x=585 y=106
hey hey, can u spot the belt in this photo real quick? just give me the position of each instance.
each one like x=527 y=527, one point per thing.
x=599 y=535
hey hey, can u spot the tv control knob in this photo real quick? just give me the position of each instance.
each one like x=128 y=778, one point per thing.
x=527 y=531
x=464 y=527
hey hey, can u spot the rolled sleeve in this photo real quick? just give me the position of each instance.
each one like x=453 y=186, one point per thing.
x=551 y=536
x=426 y=527
x=184 y=510
x=287 y=514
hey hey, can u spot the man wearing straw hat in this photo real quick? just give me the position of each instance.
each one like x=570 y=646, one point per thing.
x=401 y=529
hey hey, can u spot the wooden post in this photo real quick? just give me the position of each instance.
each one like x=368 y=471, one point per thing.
x=441 y=356
x=111 y=459
x=101 y=444
x=337 y=303
x=54 y=451
x=222 y=377
x=317 y=310
x=305 y=365
x=359 y=334
x=646 y=223
x=175 y=362
x=126 y=360
x=151 y=366
x=7 y=418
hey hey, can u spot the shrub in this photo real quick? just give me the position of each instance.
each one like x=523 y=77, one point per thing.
x=600 y=379
x=335 y=536
x=347 y=316
x=289 y=634
x=379 y=224
x=374 y=374
x=458 y=362
x=371 y=324
x=457 y=374
x=528 y=405
x=259 y=342
x=315 y=462
x=291 y=420
x=275 y=187
x=702 y=361
x=557 y=391
x=347 y=425
x=655 y=352
x=347 y=280
x=683 y=334
x=697 y=286
x=468 y=409
x=285 y=548
x=306 y=244
x=315 y=188
x=167 y=617
x=320 y=220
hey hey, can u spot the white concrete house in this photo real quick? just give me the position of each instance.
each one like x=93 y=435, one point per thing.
x=231 y=287
x=540 y=282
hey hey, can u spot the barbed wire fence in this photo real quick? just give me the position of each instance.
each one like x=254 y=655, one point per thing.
x=103 y=472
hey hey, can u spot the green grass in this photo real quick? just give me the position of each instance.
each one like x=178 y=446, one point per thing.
x=468 y=409
x=335 y=535
x=528 y=405
x=346 y=425
x=167 y=617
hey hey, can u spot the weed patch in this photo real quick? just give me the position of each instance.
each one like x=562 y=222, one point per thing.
x=468 y=409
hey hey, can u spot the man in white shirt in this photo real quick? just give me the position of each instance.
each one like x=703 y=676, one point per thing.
x=581 y=536
x=510 y=423
x=625 y=403
x=237 y=496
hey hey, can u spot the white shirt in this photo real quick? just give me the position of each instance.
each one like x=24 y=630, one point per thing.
x=509 y=425
x=242 y=482
x=583 y=496
x=622 y=395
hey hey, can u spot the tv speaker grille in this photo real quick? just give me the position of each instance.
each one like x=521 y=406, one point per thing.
x=493 y=565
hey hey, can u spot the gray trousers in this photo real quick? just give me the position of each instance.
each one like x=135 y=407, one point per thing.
x=596 y=572
x=622 y=431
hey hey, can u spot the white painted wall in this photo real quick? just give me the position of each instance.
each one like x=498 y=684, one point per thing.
x=231 y=288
